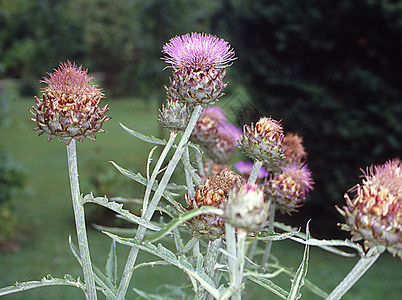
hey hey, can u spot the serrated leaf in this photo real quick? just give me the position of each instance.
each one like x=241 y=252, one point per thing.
x=330 y=247
x=150 y=160
x=269 y=285
x=140 y=179
x=181 y=219
x=189 y=245
x=149 y=139
x=193 y=173
x=118 y=208
x=298 y=279
x=308 y=284
x=170 y=257
x=45 y=281
x=111 y=264
x=272 y=236
x=200 y=263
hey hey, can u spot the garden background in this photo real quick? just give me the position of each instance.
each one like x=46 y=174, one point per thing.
x=330 y=70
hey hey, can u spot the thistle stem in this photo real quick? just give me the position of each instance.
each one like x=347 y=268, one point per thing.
x=268 y=247
x=132 y=257
x=80 y=220
x=355 y=274
x=254 y=173
x=230 y=235
x=209 y=265
x=189 y=180
x=156 y=170
x=241 y=243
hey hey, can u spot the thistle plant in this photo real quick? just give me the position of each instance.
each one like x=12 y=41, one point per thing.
x=69 y=110
x=222 y=222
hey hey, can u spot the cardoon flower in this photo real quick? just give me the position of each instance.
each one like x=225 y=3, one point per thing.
x=174 y=116
x=199 y=61
x=69 y=106
x=245 y=168
x=289 y=188
x=214 y=192
x=246 y=208
x=263 y=142
x=375 y=212
x=294 y=149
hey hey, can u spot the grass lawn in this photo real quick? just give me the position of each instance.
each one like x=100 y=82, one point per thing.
x=46 y=220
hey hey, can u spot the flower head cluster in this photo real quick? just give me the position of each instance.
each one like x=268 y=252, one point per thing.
x=214 y=192
x=199 y=61
x=174 y=116
x=294 y=149
x=69 y=106
x=288 y=189
x=215 y=135
x=375 y=212
x=246 y=208
x=263 y=142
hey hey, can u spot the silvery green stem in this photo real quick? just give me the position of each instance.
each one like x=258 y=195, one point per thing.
x=354 y=275
x=189 y=180
x=268 y=247
x=132 y=257
x=80 y=220
x=254 y=173
x=209 y=265
x=200 y=164
x=240 y=258
x=230 y=234
x=156 y=170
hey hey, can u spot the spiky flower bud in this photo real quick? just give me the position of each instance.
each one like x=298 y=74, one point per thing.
x=214 y=192
x=263 y=142
x=288 y=189
x=69 y=106
x=174 y=116
x=294 y=149
x=246 y=208
x=375 y=212
x=216 y=136
x=199 y=61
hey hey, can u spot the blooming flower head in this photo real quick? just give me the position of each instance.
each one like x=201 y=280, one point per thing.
x=214 y=192
x=375 y=212
x=263 y=142
x=294 y=149
x=246 y=209
x=288 y=189
x=245 y=168
x=69 y=106
x=198 y=51
x=199 y=61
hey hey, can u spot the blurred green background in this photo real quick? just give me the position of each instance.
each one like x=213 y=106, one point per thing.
x=330 y=70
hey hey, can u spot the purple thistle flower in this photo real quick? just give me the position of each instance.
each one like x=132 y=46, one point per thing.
x=215 y=113
x=198 y=51
x=245 y=168
x=232 y=132
x=301 y=174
